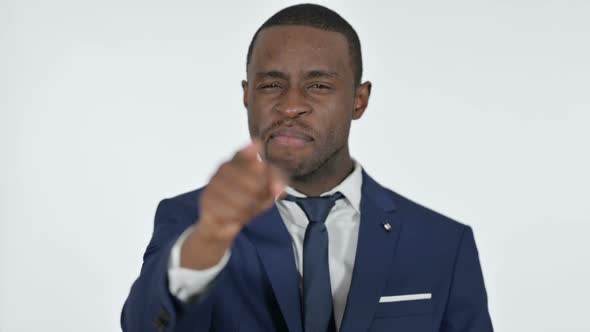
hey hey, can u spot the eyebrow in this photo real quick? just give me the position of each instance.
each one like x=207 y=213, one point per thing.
x=272 y=74
x=310 y=74
x=321 y=73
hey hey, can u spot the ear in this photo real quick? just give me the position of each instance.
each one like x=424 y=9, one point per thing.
x=361 y=100
x=245 y=90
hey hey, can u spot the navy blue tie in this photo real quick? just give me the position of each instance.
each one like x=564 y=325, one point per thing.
x=318 y=315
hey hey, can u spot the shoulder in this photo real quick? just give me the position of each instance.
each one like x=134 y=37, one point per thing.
x=427 y=233
x=409 y=211
x=425 y=225
x=182 y=205
x=423 y=216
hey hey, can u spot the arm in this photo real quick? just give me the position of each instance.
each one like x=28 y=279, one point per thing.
x=241 y=189
x=467 y=306
x=150 y=305
x=184 y=283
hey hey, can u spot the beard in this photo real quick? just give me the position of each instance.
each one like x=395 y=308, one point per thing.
x=299 y=166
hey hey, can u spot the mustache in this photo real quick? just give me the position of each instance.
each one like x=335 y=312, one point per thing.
x=289 y=123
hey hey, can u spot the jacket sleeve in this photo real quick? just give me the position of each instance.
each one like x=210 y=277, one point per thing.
x=150 y=306
x=467 y=306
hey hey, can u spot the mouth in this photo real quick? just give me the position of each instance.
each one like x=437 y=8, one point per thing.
x=290 y=138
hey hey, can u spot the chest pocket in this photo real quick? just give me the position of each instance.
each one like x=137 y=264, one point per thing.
x=404 y=308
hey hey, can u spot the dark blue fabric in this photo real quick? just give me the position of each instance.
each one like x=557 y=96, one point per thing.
x=258 y=290
x=318 y=313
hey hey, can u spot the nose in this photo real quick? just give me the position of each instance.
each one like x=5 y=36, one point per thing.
x=293 y=103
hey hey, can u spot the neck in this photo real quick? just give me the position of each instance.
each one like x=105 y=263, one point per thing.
x=326 y=177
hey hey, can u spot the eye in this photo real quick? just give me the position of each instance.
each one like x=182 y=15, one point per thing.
x=320 y=89
x=269 y=86
x=319 y=86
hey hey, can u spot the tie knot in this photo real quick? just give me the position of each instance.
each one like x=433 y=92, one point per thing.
x=316 y=208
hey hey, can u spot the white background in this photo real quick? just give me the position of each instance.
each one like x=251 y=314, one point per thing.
x=480 y=110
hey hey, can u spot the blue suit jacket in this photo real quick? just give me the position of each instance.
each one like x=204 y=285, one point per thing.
x=258 y=290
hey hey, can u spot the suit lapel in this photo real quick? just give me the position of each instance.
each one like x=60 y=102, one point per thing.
x=273 y=243
x=374 y=256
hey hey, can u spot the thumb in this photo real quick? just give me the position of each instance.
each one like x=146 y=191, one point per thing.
x=248 y=152
x=259 y=148
x=278 y=181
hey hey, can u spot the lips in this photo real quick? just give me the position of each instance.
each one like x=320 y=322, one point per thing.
x=287 y=132
x=290 y=137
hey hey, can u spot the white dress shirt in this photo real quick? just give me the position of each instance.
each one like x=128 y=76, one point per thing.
x=342 y=224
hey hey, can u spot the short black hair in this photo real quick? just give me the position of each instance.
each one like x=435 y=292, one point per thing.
x=319 y=17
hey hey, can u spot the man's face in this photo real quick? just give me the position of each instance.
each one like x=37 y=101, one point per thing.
x=301 y=97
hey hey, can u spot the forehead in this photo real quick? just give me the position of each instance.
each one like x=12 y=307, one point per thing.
x=300 y=48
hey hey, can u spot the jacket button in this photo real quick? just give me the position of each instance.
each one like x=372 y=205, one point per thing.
x=162 y=321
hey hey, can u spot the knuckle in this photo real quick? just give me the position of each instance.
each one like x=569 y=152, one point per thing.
x=224 y=167
x=261 y=191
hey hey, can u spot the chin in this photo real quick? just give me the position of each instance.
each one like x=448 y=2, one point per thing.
x=297 y=170
x=293 y=166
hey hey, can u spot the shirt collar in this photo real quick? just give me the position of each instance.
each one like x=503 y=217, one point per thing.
x=350 y=187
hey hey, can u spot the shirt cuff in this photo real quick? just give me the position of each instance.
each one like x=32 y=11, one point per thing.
x=185 y=283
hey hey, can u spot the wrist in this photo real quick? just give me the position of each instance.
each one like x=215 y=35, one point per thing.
x=215 y=233
x=203 y=248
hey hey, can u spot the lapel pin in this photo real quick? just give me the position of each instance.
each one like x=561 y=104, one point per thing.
x=387 y=226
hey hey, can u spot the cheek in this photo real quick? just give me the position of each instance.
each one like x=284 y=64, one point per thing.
x=341 y=119
x=253 y=123
x=257 y=120
x=336 y=133
x=341 y=131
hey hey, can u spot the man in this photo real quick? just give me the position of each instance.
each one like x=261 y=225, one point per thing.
x=291 y=234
